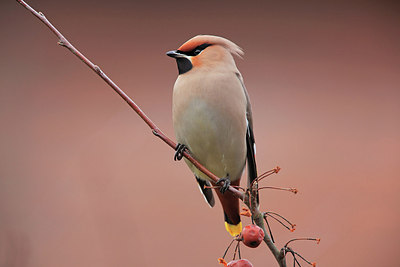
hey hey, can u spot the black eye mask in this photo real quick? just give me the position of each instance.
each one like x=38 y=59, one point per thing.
x=197 y=50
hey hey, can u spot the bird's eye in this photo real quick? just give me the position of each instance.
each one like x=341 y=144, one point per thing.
x=197 y=50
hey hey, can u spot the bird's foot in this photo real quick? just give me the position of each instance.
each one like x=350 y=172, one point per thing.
x=180 y=148
x=226 y=184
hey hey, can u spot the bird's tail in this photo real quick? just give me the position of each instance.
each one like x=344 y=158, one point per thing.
x=230 y=205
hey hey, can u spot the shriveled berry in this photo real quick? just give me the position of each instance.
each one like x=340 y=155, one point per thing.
x=252 y=235
x=240 y=263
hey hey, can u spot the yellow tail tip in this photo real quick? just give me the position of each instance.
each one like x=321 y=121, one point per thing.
x=233 y=230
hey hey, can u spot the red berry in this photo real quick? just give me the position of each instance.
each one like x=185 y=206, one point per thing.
x=252 y=235
x=240 y=263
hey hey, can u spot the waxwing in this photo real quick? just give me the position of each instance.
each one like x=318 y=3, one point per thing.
x=212 y=118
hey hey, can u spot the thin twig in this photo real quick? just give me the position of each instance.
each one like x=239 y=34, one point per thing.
x=226 y=250
x=269 y=229
x=293 y=190
x=294 y=254
x=273 y=214
x=303 y=239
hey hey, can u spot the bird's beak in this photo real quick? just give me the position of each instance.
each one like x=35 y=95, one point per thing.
x=175 y=54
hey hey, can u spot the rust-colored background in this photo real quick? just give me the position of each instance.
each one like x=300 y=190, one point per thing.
x=83 y=182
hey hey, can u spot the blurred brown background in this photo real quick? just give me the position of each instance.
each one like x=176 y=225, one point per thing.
x=83 y=182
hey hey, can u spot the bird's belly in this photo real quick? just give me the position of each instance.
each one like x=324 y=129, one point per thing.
x=214 y=137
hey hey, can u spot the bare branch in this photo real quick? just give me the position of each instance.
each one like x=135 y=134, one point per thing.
x=62 y=41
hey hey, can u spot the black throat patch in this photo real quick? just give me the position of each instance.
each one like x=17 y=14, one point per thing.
x=184 y=65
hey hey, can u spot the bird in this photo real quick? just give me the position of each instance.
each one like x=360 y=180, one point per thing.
x=212 y=119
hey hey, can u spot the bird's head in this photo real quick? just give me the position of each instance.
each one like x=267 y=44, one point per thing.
x=205 y=51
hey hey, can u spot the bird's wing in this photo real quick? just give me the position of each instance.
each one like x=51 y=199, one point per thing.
x=207 y=192
x=250 y=141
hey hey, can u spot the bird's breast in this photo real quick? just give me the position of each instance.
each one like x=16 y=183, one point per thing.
x=209 y=117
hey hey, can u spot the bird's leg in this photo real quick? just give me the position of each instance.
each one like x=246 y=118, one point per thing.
x=226 y=185
x=179 y=151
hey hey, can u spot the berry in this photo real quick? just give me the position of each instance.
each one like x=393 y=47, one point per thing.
x=252 y=235
x=240 y=263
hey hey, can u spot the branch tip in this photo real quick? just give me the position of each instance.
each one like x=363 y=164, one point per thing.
x=245 y=212
x=280 y=219
x=277 y=169
x=266 y=174
x=222 y=262
x=293 y=190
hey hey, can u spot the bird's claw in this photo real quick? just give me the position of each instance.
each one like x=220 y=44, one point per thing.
x=180 y=148
x=226 y=184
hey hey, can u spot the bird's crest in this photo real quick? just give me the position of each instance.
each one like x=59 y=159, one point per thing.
x=212 y=40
